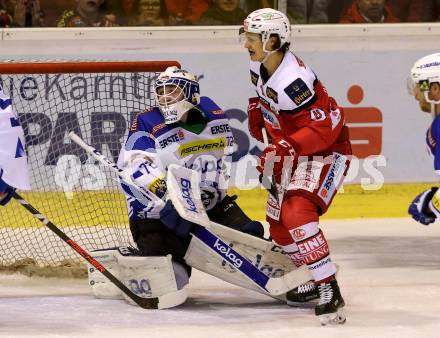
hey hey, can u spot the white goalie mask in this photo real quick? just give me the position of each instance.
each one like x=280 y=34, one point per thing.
x=176 y=91
x=425 y=72
x=267 y=21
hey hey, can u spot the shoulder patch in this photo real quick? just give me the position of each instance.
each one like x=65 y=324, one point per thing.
x=135 y=122
x=272 y=94
x=298 y=91
x=254 y=78
x=317 y=114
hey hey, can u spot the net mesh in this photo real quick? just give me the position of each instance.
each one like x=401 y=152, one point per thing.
x=71 y=189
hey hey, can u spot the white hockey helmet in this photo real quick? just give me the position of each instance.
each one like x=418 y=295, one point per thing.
x=176 y=91
x=268 y=21
x=426 y=71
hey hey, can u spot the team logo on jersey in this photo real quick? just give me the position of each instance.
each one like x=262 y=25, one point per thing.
x=333 y=177
x=298 y=91
x=270 y=117
x=158 y=187
x=254 y=78
x=317 y=114
x=202 y=146
x=158 y=127
x=298 y=234
x=217 y=112
x=223 y=128
x=209 y=196
x=272 y=94
x=335 y=116
x=171 y=139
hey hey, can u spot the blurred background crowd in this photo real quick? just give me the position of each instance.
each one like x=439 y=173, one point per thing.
x=105 y=13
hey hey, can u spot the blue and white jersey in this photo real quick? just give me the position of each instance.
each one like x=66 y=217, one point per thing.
x=432 y=140
x=13 y=159
x=152 y=146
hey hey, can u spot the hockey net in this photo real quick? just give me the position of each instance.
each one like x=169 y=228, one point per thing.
x=97 y=100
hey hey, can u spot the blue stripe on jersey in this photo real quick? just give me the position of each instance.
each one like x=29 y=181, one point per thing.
x=433 y=139
x=14 y=122
x=152 y=121
x=139 y=140
x=5 y=103
x=210 y=109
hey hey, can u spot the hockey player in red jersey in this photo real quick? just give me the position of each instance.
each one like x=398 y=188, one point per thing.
x=308 y=155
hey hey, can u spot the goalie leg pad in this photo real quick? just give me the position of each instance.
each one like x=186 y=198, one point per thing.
x=101 y=286
x=272 y=262
x=154 y=277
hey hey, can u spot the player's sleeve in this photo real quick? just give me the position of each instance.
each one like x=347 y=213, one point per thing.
x=433 y=138
x=321 y=127
x=13 y=159
x=140 y=160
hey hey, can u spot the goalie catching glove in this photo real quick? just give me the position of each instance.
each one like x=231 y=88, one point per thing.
x=425 y=208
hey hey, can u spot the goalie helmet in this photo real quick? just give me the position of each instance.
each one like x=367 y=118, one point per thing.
x=268 y=21
x=424 y=72
x=176 y=91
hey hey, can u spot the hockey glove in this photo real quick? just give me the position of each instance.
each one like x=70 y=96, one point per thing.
x=254 y=228
x=255 y=118
x=420 y=209
x=172 y=220
x=279 y=154
x=6 y=192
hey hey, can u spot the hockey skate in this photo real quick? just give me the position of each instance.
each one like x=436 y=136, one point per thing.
x=329 y=309
x=302 y=295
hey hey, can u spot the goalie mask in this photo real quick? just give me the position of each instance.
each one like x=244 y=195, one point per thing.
x=265 y=22
x=425 y=72
x=176 y=91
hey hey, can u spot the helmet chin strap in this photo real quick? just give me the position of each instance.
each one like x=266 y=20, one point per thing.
x=433 y=103
x=268 y=52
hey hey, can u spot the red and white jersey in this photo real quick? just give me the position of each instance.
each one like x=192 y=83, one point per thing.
x=296 y=107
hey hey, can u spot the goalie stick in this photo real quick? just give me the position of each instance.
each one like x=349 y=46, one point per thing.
x=273 y=285
x=146 y=303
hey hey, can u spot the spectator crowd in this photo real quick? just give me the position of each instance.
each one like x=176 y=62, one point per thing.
x=106 y=13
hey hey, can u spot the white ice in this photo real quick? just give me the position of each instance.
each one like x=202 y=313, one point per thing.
x=389 y=276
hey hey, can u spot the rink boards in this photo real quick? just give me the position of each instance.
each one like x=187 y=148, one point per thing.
x=91 y=208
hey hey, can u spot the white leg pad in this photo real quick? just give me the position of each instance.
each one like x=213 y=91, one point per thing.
x=154 y=277
x=101 y=286
x=273 y=262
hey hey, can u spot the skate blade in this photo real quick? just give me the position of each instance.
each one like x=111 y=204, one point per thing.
x=303 y=305
x=337 y=318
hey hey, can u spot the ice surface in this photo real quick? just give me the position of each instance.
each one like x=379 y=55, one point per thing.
x=389 y=276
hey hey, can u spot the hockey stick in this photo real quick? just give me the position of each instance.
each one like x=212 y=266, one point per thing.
x=182 y=184
x=274 y=286
x=146 y=303
x=265 y=181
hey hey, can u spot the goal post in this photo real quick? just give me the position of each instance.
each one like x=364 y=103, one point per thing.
x=97 y=100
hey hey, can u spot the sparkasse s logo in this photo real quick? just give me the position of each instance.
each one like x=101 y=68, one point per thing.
x=365 y=125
